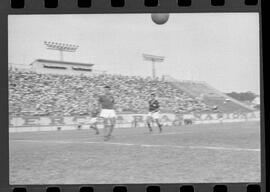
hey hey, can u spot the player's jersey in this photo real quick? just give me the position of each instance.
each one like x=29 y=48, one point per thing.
x=106 y=101
x=153 y=105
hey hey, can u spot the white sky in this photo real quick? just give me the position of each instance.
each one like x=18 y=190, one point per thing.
x=219 y=48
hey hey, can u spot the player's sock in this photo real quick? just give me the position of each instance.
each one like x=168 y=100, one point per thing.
x=160 y=127
x=105 y=130
x=97 y=131
x=95 y=128
x=110 y=127
x=106 y=133
x=108 y=136
x=149 y=126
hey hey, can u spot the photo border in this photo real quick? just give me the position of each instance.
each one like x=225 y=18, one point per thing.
x=104 y=6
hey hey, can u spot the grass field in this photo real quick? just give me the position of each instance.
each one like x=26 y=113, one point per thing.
x=198 y=153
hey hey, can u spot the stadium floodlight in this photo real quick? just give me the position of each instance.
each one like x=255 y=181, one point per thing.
x=61 y=47
x=153 y=59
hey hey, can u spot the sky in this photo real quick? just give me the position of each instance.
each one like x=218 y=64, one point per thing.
x=221 y=49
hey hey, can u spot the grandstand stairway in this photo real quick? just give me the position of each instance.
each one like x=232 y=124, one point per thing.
x=210 y=96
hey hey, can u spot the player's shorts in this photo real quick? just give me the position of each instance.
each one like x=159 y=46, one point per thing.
x=154 y=115
x=108 y=113
x=93 y=120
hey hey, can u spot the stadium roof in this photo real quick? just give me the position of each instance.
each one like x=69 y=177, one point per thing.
x=63 y=62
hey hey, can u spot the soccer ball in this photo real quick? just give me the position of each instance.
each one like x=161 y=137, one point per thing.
x=160 y=18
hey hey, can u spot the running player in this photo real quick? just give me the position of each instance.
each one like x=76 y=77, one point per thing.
x=108 y=114
x=94 y=118
x=153 y=114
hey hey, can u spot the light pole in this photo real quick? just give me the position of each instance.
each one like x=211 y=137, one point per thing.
x=153 y=59
x=61 y=47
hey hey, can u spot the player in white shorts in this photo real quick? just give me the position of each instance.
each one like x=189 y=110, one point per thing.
x=153 y=114
x=107 y=102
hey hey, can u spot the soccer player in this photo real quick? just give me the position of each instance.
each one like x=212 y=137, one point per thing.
x=153 y=114
x=94 y=118
x=108 y=114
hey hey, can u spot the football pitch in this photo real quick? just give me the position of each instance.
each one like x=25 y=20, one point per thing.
x=228 y=152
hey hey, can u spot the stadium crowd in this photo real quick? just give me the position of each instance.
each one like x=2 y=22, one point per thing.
x=33 y=94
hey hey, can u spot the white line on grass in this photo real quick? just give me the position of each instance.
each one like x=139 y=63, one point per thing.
x=154 y=134
x=143 y=145
x=172 y=133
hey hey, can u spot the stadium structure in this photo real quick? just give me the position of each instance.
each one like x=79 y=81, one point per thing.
x=183 y=96
x=44 y=66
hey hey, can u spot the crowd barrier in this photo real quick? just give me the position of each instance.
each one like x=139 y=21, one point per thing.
x=37 y=123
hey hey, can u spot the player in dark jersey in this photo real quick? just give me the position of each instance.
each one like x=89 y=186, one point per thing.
x=153 y=114
x=94 y=118
x=107 y=102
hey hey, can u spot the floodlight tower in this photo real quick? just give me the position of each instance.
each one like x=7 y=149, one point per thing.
x=61 y=47
x=153 y=59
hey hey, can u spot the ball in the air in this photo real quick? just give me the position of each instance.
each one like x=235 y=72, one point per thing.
x=160 y=18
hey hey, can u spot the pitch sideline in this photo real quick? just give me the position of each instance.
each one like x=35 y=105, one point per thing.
x=142 y=145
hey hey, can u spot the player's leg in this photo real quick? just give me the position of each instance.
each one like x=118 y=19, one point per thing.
x=111 y=126
x=105 y=115
x=159 y=125
x=112 y=121
x=94 y=126
x=156 y=117
x=106 y=127
x=109 y=129
x=149 y=121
